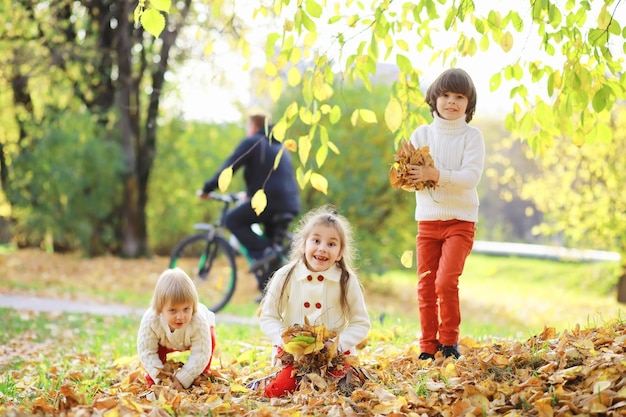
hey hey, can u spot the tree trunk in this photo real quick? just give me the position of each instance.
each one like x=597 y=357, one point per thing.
x=133 y=240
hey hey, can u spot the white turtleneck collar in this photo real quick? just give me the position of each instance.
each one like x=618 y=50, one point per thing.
x=449 y=127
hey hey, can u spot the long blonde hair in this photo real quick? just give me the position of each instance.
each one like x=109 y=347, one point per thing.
x=325 y=215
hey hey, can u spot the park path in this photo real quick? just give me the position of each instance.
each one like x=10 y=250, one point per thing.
x=53 y=305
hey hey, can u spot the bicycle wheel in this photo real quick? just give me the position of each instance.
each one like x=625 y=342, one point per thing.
x=210 y=264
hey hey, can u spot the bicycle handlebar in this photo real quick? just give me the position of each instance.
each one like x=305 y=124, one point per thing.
x=229 y=198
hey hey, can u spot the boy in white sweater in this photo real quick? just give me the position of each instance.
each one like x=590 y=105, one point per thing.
x=447 y=214
x=176 y=321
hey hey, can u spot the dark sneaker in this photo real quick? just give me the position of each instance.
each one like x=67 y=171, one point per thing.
x=448 y=351
x=425 y=356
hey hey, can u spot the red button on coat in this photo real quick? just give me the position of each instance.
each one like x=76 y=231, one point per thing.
x=307 y=304
x=310 y=278
x=318 y=305
x=320 y=278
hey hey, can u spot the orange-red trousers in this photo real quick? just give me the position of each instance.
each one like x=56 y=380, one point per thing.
x=442 y=247
x=163 y=351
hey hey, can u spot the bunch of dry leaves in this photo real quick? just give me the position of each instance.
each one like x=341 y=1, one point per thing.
x=581 y=372
x=406 y=155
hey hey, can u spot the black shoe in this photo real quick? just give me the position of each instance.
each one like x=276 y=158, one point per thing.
x=448 y=351
x=425 y=356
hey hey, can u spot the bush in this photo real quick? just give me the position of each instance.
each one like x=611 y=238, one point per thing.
x=64 y=186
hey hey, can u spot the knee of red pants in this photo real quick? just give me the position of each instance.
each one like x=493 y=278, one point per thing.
x=284 y=383
x=149 y=380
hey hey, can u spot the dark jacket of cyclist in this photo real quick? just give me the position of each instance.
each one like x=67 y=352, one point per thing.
x=256 y=155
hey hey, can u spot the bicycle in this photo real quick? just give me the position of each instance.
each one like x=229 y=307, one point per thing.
x=209 y=257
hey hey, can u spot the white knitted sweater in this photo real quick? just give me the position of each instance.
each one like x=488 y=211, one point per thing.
x=195 y=336
x=317 y=298
x=458 y=151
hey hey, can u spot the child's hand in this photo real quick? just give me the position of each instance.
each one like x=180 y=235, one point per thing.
x=283 y=356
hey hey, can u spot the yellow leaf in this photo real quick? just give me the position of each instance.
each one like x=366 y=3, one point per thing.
x=238 y=388
x=393 y=115
x=319 y=182
x=321 y=154
x=276 y=87
x=407 y=259
x=506 y=42
x=208 y=49
x=277 y=159
x=223 y=181
x=450 y=370
x=114 y=412
x=309 y=39
x=304 y=148
x=333 y=147
x=125 y=360
x=368 y=116
x=279 y=130
x=293 y=76
x=162 y=5
x=291 y=145
x=259 y=202
x=246 y=357
x=354 y=118
x=152 y=21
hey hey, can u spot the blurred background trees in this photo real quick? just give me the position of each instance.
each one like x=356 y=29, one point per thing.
x=91 y=161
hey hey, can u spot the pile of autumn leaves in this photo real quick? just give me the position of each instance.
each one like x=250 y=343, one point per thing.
x=579 y=372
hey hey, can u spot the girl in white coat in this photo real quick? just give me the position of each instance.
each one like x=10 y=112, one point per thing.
x=319 y=284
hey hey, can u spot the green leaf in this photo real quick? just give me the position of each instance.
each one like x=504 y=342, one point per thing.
x=313 y=8
x=404 y=63
x=393 y=115
x=152 y=21
x=600 y=99
x=335 y=114
x=495 y=81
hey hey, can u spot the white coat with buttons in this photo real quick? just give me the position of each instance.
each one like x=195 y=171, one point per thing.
x=317 y=296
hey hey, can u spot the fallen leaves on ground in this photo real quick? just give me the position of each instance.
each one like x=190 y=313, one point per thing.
x=581 y=372
x=407 y=155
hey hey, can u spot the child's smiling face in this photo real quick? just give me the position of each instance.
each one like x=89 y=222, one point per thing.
x=451 y=106
x=322 y=248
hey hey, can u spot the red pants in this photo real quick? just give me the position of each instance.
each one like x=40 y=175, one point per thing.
x=163 y=351
x=442 y=247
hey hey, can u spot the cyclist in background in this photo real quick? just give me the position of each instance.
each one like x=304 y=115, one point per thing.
x=256 y=154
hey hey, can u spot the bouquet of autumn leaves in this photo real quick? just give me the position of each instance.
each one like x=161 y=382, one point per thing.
x=406 y=155
x=314 y=349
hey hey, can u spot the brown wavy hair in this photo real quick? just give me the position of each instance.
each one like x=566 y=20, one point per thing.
x=453 y=80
